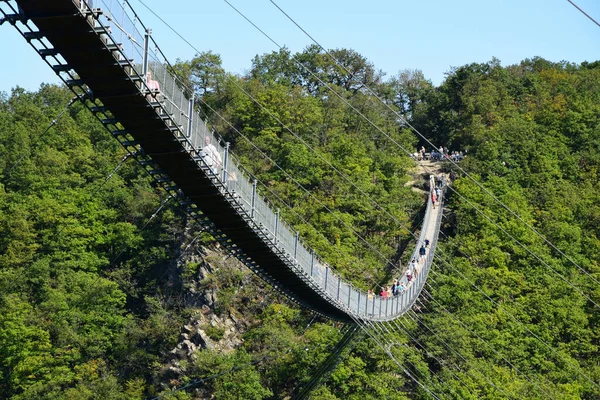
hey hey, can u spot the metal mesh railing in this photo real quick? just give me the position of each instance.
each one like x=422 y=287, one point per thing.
x=169 y=90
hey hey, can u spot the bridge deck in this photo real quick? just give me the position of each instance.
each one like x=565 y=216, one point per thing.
x=89 y=49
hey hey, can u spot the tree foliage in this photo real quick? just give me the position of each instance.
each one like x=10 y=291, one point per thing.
x=93 y=295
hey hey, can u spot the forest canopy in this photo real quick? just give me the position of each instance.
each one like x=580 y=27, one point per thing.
x=99 y=273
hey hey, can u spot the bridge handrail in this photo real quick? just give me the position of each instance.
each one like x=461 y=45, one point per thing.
x=237 y=184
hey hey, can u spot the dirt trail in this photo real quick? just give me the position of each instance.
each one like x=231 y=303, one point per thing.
x=421 y=174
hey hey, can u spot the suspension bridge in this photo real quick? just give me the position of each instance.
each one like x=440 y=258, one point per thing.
x=109 y=60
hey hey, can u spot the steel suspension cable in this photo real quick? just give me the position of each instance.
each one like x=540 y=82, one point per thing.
x=532 y=253
x=430 y=296
x=388 y=332
x=508 y=313
x=458 y=352
x=451 y=348
x=388 y=351
x=398 y=145
x=583 y=12
x=38 y=137
x=405 y=329
x=401 y=117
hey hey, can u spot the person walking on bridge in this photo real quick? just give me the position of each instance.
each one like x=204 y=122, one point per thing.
x=211 y=156
x=422 y=252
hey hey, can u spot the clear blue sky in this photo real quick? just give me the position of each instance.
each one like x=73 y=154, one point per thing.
x=430 y=35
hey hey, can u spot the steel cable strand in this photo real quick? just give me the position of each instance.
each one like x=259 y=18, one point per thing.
x=275 y=117
x=381 y=328
x=446 y=262
x=383 y=341
x=111 y=18
x=329 y=365
x=39 y=137
x=455 y=164
x=430 y=296
x=384 y=133
x=451 y=348
x=364 y=324
x=114 y=260
x=365 y=328
x=583 y=12
x=508 y=313
x=371 y=328
x=404 y=315
x=532 y=253
x=154 y=214
x=405 y=329
x=383 y=257
x=440 y=379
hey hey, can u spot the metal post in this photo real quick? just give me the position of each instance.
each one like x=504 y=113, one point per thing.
x=146 y=52
x=358 y=308
x=349 y=294
x=190 y=116
x=253 y=198
x=326 y=276
x=312 y=262
x=373 y=305
x=387 y=302
x=339 y=285
x=225 y=159
x=296 y=246
x=276 y=225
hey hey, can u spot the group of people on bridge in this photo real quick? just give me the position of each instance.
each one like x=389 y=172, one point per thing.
x=400 y=285
x=416 y=264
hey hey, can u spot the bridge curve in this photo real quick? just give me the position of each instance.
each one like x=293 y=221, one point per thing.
x=103 y=58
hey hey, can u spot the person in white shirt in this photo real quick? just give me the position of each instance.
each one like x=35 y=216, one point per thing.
x=211 y=156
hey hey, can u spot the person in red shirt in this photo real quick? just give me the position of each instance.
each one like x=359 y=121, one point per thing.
x=384 y=293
